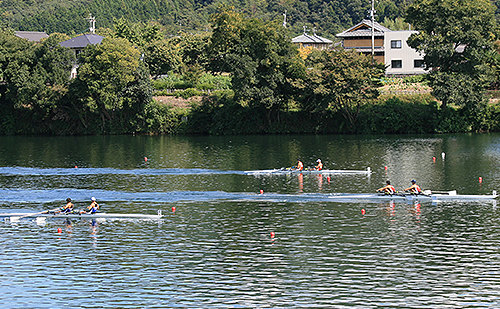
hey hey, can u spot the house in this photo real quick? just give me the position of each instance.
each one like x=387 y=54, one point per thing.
x=389 y=47
x=32 y=36
x=317 y=42
x=401 y=59
x=78 y=43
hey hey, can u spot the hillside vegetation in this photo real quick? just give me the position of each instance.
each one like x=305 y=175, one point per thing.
x=68 y=16
x=247 y=75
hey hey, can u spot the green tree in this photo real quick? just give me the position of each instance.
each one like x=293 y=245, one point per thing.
x=162 y=57
x=462 y=90
x=310 y=92
x=139 y=34
x=456 y=37
x=36 y=77
x=192 y=48
x=136 y=97
x=345 y=81
x=260 y=57
x=105 y=72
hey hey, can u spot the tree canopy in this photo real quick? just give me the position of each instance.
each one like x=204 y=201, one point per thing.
x=191 y=16
x=259 y=56
x=457 y=38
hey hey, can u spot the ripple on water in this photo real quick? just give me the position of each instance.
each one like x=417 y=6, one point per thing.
x=222 y=255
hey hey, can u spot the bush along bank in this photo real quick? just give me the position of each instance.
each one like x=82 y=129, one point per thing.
x=392 y=115
x=219 y=115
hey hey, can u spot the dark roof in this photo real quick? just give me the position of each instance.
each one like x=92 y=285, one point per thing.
x=82 y=41
x=311 y=39
x=31 y=36
x=364 y=28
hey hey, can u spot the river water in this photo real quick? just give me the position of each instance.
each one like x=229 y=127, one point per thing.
x=225 y=245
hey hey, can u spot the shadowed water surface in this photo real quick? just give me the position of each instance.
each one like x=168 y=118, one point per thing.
x=226 y=246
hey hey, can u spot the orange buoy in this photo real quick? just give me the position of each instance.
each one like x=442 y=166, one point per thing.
x=145 y=159
x=272 y=234
x=434 y=159
x=261 y=191
x=385 y=167
x=59 y=230
x=363 y=212
x=328 y=178
x=173 y=209
x=480 y=179
x=76 y=166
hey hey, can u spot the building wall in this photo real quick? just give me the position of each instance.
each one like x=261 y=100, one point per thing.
x=362 y=42
x=398 y=53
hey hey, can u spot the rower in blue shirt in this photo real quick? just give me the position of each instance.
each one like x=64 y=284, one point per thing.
x=68 y=208
x=92 y=208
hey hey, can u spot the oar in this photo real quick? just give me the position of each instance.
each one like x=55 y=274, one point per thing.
x=38 y=213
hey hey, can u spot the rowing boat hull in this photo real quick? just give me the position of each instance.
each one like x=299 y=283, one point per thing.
x=81 y=216
x=411 y=197
x=323 y=172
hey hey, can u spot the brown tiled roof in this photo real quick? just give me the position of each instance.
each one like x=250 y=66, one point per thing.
x=364 y=28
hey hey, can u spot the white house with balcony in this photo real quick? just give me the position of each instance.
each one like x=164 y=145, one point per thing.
x=389 y=47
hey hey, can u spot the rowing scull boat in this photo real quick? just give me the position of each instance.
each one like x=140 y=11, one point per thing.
x=427 y=196
x=282 y=171
x=98 y=215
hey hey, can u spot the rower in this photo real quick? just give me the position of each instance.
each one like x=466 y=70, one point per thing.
x=319 y=167
x=415 y=189
x=388 y=189
x=300 y=165
x=68 y=208
x=92 y=208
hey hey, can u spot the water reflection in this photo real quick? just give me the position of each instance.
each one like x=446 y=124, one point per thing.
x=69 y=226
x=93 y=232
x=224 y=245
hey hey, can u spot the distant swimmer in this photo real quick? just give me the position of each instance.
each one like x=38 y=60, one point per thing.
x=389 y=189
x=319 y=167
x=414 y=188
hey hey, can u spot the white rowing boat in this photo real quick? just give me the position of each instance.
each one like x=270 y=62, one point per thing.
x=426 y=196
x=98 y=215
x=282 y=171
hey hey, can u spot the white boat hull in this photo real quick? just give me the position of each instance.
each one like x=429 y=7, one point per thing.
x=432 y=197
x=292 y=171
x=21 y=215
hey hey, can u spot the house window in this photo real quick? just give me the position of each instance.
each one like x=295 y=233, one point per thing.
x=418 y=63
x=396 y=64
x=396 y=44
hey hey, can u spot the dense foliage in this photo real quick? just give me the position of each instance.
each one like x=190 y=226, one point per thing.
x=457 y=39
x=252 y=79
x=328 y=17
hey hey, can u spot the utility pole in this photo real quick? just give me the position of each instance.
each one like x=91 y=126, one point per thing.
x=372 y=16
x=92 y=23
